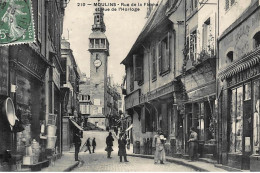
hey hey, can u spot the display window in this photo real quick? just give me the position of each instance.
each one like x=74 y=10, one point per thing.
x=236 y=113
x=201 y=121
x=256 y=109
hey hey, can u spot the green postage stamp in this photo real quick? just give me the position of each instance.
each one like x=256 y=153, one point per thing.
x=16 y=22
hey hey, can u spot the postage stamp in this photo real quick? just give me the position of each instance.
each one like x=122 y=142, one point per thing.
x=16 y=22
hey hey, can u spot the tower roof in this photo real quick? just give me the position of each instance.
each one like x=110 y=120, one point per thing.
x=97 y=34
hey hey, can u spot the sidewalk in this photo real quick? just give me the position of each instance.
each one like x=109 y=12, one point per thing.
x=197 y=165
x=65 y=164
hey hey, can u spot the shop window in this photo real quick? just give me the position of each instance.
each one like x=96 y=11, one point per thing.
x=164 y=54
x=257 y=39
x=201 y=121
x=236 y=113
x=230 y=57
x=256 y=121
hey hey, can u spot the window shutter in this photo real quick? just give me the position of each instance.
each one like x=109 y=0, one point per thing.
x=204 y=35
x=143 y=119
x=168 y=52
x=154 y=63
x=160 y=57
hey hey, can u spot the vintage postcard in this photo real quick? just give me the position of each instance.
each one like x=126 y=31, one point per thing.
x=129 y=85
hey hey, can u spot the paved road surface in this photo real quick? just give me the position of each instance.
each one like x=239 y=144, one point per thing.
x=98 y=162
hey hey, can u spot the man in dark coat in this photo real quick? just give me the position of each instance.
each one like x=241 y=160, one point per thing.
x=77 y=143
x=121 y=145
x=88 y=145
x=109 y=142
x=94 y=144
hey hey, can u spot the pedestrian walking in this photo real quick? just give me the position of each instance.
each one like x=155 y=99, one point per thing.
x=94 y=145
x=77 y=143
x=87 y=144
x=159 y=141
x=193 y=144
x=121 y=146
x=109 y=142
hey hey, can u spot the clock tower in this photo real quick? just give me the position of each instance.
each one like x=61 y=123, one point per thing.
x=99 y=50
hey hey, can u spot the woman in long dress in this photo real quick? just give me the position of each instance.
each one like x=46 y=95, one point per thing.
x=158 y=142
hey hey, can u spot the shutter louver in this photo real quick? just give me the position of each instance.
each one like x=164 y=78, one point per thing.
x=168 y=52
x=160 y=57
x=204 y=39
x=143 y=120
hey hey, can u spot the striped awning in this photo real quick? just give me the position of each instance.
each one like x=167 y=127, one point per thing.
x=249 y=60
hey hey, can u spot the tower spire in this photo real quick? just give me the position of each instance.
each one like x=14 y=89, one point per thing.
x=99 y=24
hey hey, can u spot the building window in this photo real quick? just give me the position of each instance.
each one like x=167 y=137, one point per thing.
x=97 y=102
x=154 y=63
x=207 y=37
x=193 y=46
x=229 y=3
x=230 y=57
x=138 y=63
x=100 y=111
x=164 y=54
x=236 y=113
x=84 y=109
x=257 y=40
x=193 y=5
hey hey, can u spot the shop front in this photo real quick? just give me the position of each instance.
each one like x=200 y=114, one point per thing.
x=240 y=98
x=199 y=107
x=27 y=72
x=160 y=113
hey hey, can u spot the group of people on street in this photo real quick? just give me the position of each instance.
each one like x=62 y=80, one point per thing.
x=121 y=146
x=88 y=145
x=158 y=142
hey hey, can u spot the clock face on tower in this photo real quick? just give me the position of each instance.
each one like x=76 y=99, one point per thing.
x=97 y=63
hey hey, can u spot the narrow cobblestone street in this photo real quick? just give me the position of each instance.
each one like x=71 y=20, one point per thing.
x=100 y=163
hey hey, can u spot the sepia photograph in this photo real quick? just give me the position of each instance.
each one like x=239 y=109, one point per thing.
x=129 y=86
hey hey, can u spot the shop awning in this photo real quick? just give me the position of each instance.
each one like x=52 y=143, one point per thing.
x=245 y=62
x=129 y=128
x=76 y=125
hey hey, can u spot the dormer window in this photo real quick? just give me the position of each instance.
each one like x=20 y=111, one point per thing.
x=256 y=39
x=230 y=57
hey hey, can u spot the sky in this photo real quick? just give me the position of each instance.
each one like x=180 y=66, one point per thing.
x=122 y=29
